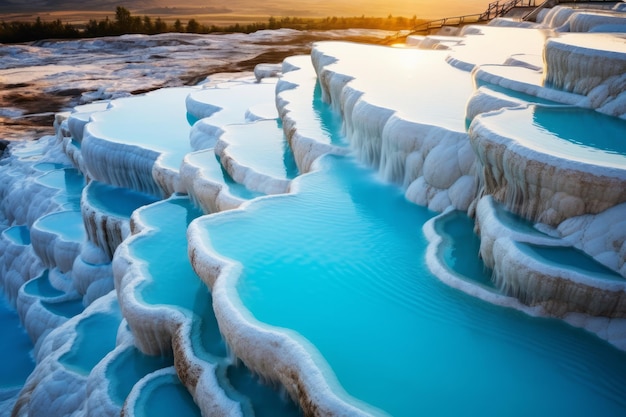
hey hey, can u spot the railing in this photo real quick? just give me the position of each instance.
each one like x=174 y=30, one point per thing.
x=551 y=3
x=532 y=16
x=495 y=9
x=447 y=21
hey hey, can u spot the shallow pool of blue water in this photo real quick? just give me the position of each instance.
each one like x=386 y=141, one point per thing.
x=95 y=337
x=20 y=235
x=120 y=202
x=165 y=396
x=156 y=121
x=262 y=147
x=41 y=287
x=326 y=119
x=515 y=94
x=215 y=172
x=172 y=282
x=262 y=400
x=69 y=182
x=49 y=166
x=16 y=359
x=128 y=368
x=516 y=222
x=68 y=225
x=68 y=308
x=566 y=132
x=460 y=248
x=584 y=127
x=342 y=263
x=571 y=258
x=329 y=121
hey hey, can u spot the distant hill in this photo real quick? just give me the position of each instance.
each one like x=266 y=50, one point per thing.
x=143 y=6
x=19 y=6
x=302 y=8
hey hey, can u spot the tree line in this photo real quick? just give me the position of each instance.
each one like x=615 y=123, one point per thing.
x=125 y=23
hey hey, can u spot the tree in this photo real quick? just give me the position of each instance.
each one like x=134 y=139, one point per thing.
x=160 y=26
x=178 y=26
x=147 y=24
x=193 y=26
x=123 y=19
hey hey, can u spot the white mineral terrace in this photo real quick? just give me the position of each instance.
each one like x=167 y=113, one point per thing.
x=579 y=63
x=539 y=174
x=350 y=161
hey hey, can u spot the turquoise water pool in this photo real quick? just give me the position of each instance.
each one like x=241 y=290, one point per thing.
x=42 y=287
x=571 y=258
x=16 y=358
x=516 y=222
x=163 y=396
x=173 y=283
x=460 y=248
x=262 y=147
x=515 y=94
x=583 y=127
x=215 y=171
x=68 y=225
x=569 y=133
x=20 y=235
x=67 y=309
x=69 y=182
x=49 y=166
x=128 y=368
x=95 y=337
x=327 y=119
x=315 y=119
x=156 y=121
x=260 y=398
x=342 y=264
x=120 y=202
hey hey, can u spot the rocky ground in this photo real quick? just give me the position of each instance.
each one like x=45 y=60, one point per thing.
x=42 y=78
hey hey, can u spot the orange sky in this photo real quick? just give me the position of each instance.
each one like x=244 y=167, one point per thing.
x=408 y=8
x=423 y=9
